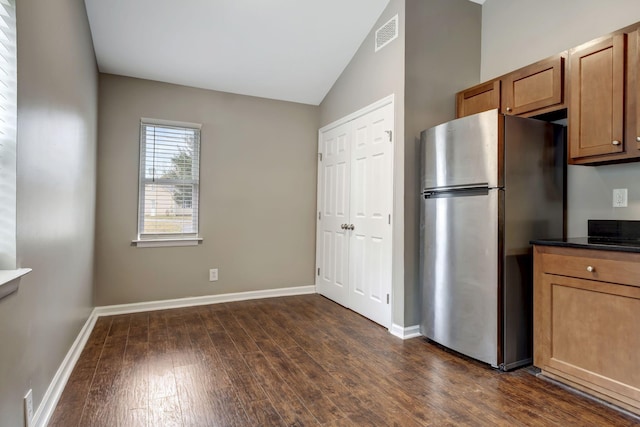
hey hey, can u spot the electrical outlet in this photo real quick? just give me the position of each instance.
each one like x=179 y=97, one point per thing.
x=620 y=198
x=28 y=408
x=213 y=275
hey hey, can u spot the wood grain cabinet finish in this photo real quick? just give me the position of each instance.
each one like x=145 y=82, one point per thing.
x=586 y=321
x=598 y=83
x=633 y=90
x=535 y=89
x=483 y=97
x=596 y=99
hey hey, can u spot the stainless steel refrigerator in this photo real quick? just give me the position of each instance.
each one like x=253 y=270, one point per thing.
x=490 y=184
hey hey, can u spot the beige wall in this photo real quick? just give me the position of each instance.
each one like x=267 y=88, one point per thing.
x=257 y=194
x=518 y=32
x=437 y=66
x=423 y=68
x=371 y=76
x=57 y=118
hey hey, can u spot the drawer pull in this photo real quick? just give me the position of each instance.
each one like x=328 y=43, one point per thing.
x=591 y=269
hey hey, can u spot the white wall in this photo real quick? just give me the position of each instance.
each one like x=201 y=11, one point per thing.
x=518 y=32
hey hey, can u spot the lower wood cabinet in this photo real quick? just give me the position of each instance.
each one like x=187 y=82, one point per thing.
x=587 y=321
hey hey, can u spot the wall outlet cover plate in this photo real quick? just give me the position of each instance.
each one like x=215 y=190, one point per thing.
x=620 y=198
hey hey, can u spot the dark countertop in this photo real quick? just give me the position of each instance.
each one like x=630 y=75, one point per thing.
x=590 y=243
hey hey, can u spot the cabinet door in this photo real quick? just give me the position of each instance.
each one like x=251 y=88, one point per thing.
x=596 y=98
x=587 y=334
x=477 y=99
x=633 y=93
x=535 y=87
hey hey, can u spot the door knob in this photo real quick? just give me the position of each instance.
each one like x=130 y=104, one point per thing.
x=591 y=269
x=615 y=142
x=638 y=138
x=351 y=227
x=509 y=109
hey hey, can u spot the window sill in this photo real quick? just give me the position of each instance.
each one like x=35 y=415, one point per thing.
x=160 y=243
x=8 y=282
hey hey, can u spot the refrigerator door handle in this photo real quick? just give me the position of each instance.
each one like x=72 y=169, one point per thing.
x=456 y=191
x=458 y=187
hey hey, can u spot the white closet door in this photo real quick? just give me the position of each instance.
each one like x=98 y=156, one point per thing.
x=371 y=201
x=332 y=246
x=355 y=189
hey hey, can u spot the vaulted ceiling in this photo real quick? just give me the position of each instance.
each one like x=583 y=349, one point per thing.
x=291 y=50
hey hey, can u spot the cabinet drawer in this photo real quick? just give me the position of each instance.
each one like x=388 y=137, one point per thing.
x=593 y=268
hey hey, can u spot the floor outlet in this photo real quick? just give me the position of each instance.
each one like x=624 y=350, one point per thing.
x=28 y=409
x=620 y=198
x=213 y=275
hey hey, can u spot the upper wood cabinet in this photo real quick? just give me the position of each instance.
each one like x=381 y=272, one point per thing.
x=633 y=90
x=483 y=97
x=597 y=99
x=602 y=102
x=535 y=89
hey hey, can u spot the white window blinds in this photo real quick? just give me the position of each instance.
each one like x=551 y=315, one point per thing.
x=8 y=125
x=169 y=180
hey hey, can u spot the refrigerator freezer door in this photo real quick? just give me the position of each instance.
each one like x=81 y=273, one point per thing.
x=459 y=269
x=463 y=152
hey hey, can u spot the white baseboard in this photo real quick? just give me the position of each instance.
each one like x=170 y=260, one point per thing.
x=405 y=333
x=138 y=307
x=54 y=391
x=50 y=399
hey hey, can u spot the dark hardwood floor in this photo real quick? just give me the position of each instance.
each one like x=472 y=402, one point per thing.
x=296 y=361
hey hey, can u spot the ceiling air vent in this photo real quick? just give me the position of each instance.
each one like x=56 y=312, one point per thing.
x=387 y=33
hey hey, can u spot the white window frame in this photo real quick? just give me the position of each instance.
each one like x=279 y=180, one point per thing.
x=9 y=272
x=167 y=239
x=8 y=134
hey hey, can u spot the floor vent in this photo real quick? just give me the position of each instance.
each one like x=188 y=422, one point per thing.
x=387 y=33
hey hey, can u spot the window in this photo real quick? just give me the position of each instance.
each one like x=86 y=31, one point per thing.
x=8 y=125
x=169 y=182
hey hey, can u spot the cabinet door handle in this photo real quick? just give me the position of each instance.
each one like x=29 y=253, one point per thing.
x=638 y=138
x=509 y=109
x=615 y=142
x=591 y=269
